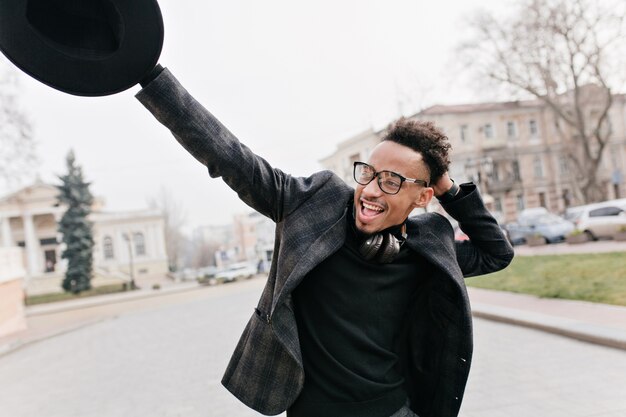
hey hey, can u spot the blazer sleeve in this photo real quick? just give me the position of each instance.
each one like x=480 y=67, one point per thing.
x=270 y=191
x=487 y=250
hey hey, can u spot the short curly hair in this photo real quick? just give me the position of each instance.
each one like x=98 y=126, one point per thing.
x=425 y=138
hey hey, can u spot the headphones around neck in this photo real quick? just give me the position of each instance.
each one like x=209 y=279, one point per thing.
x=382 y=247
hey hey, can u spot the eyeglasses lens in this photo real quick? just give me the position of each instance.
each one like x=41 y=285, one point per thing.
x=389 y=182
x=363 y=174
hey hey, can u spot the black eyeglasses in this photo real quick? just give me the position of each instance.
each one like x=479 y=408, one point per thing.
x=388 y=181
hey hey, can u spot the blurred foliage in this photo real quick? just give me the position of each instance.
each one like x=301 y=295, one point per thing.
x=76 y=228
x=17 y=145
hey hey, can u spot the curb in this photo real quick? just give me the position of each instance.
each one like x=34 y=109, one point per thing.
x=586 y=332
x=51 y=308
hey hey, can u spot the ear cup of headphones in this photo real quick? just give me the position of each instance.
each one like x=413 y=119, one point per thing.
x=370 y=247
x=389 y=249
x=383 y=248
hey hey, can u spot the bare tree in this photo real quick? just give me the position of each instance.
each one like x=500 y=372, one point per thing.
x=174 y=221
x=17 y=146
x=566 y=54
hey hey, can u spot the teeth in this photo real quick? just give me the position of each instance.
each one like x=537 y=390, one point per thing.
x=371 y=207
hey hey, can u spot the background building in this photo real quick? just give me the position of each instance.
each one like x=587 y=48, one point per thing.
x=249 y=238
x=28 y=220
x=512 y=150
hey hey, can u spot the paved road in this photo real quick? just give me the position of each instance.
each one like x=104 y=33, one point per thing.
x=166 y=360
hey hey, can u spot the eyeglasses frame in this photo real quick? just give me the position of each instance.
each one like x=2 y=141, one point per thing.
x=376 y=175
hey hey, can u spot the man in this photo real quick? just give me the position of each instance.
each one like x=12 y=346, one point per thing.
x=365 y=312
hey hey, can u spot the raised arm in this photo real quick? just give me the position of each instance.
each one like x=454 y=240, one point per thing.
x=264 y=188
x=487 y=249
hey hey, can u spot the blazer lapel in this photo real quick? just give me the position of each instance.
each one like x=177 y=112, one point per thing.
x=325 y=245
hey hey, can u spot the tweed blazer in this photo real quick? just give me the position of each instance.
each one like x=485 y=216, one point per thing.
x=266 y=371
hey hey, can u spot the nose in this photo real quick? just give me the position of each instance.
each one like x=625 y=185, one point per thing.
x=372 y=189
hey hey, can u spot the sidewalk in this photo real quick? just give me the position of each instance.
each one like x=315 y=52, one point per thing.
x=601 y=324
x=591 y=322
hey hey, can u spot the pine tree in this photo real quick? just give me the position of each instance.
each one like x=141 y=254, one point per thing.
x=76 y=228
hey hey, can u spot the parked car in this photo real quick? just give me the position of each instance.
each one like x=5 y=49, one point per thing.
x=599 y=220
x=540 y=222
x=187 y=274
x=236 y=271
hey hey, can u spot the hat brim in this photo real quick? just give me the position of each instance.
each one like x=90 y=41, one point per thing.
x=85 y=75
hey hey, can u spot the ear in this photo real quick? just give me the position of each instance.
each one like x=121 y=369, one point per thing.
x=424 y=197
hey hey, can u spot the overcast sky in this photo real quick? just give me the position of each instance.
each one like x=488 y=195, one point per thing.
x=291 y=79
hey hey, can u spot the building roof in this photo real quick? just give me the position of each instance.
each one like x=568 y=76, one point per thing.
x=38 y=194
x=438 y=109
x=27 y=192
x=479 y=107
x=366 y=134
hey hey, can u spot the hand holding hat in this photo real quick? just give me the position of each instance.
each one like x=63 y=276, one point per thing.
x=83 y=47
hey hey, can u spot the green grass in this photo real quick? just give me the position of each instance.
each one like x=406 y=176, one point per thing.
x=598 y=277
x=64 y=296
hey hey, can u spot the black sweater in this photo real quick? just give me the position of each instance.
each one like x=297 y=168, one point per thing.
x=349 y=313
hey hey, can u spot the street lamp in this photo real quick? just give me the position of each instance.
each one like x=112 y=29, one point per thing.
x=126 y=237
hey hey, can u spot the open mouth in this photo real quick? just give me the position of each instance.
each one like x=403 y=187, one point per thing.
x=370 y=210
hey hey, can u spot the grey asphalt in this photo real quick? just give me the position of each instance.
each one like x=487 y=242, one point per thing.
x=164 y=356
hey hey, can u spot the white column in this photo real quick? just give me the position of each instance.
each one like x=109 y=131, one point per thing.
x=158 y=237
x=61 y=265
x=7 y=239
x=150 y=246
x=32 y=245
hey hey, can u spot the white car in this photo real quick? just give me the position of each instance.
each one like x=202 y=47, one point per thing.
x=236 y=271
x=599 y=220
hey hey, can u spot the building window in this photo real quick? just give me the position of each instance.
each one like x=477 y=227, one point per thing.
x=534 y=130
x=488 y=130
x=566 y=197
x=563 y=165
x=140 y=244
x=608 y=126
x=511 y=130
x=495 y=172
x=616 y=157
x=516 y=174
x=463 y=132
x=538 y=167
x=542 y=200
x=520 y=202
x=107 y=246
x=497 y=203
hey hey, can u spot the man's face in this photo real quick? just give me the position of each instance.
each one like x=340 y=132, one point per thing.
x=376 y=210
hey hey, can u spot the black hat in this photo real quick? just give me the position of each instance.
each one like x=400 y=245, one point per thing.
x=82 y=47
